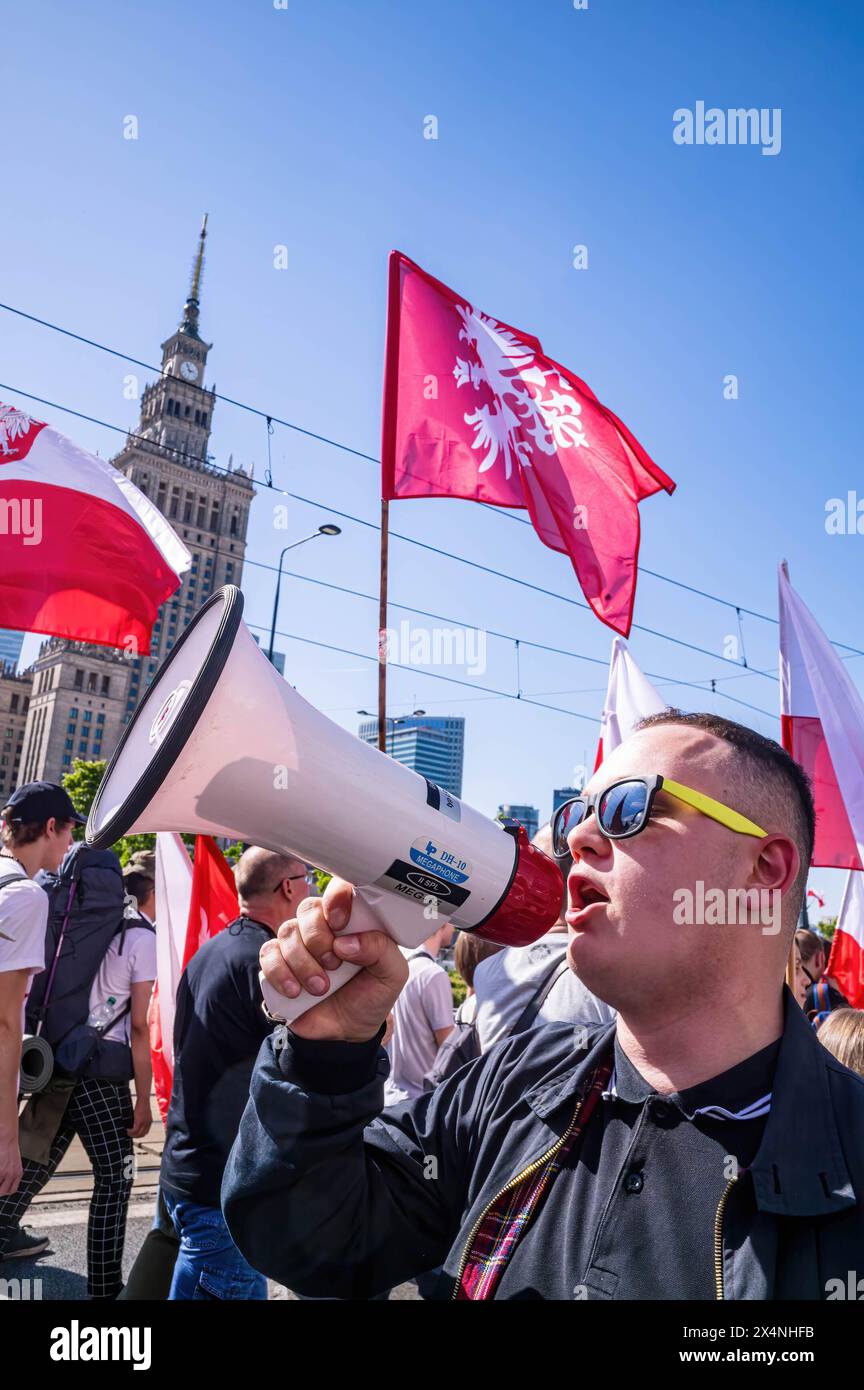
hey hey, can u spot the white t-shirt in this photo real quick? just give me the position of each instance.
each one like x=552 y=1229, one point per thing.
x=119 y=972
x=506 y=983
x=425 y=1004
x=23 y=919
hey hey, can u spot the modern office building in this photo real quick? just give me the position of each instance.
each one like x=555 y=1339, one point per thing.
x=528 y=816
x=562 y=794
x=11 y=643
x=430 y=744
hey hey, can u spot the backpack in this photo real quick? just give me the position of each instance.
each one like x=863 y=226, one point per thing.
x=86 y=910
x=463 y=1044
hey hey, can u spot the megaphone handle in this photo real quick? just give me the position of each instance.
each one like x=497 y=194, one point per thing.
x=285 y=1010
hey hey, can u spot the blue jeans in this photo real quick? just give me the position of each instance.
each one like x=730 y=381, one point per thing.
x=209 y=1265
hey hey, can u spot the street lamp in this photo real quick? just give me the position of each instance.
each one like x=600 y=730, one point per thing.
x=390 y=718
x=328 y=529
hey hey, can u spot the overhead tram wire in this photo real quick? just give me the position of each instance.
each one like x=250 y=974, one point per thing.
x=431 y=675
x=271 y=419
x=509 y=636
x=409 y=540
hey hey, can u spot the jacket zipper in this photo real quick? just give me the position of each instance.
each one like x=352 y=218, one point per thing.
x=718 y=1240
x=514 y=1182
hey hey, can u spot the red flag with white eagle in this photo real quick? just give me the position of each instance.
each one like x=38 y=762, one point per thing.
x=85 y=554
x=475 y=409
x=630 y=696
x=822 y=720
x=846 y=960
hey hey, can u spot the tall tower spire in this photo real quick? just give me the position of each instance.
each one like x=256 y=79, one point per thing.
x=189 y=323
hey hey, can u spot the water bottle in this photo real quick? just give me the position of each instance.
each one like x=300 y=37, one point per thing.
x=102 y=1015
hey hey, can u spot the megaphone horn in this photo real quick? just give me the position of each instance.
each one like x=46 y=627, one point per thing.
x=221 y=745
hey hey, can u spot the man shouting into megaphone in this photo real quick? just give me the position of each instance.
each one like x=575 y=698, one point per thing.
x=702 y=1146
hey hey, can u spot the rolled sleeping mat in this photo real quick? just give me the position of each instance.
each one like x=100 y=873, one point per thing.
x=37 y=1064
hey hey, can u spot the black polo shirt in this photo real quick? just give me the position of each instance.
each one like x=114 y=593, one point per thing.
x=635 y=1206
x=218 y=1030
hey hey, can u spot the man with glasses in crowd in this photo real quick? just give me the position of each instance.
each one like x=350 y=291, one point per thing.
x=702 y=1146
x=218 y=1029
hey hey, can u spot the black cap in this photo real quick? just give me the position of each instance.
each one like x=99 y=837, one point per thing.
x=36 y=802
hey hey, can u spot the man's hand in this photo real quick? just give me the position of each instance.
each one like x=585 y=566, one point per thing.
x=141 y=1119
x=10 y=1165
x=315 y=942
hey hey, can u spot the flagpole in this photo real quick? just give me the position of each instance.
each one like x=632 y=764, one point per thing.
x=382 y=628
x=790 y=960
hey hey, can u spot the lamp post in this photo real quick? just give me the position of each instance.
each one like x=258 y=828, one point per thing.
x=326 y=530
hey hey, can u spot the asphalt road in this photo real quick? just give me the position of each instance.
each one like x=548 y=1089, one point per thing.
x=60 y=1273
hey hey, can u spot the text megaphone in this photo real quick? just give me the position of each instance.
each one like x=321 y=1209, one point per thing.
x=222 y=745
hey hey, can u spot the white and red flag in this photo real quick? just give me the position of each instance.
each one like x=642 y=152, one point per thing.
x=630 y=696
x=846 y=960
x=822 y=718
x=475 y=409
x=192 y=904
x=173 y=896
x=85 y=554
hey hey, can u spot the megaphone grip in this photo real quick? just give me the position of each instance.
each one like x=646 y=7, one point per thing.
x=364 y=917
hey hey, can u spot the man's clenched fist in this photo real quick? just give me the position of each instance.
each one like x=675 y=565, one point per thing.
x=316 y=942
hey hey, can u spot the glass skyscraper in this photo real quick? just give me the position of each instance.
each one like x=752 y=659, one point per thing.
x=429 y=744
x=11 y=643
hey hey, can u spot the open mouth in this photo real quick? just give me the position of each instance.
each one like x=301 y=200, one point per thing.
x=583 y=894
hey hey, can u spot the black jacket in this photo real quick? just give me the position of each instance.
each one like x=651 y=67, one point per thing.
x=330 y=1197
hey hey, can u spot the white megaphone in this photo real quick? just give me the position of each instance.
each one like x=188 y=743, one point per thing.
x=222 y=745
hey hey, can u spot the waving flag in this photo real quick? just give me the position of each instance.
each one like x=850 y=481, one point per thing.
x=630 y=696
x=192 y=904
x=846 y=961
x=173 y=895
x=474 y=409
x=822 y=719
x=214 y=896
x=85 y=554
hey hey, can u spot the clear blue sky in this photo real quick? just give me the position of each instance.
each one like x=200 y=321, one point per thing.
x=304 y=126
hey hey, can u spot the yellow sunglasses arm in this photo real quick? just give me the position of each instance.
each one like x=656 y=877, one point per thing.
x=715 y=809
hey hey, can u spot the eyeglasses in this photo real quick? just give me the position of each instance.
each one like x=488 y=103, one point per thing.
x=289 y=878
x=624 y=808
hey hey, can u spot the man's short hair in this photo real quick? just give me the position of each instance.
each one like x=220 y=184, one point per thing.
x=16 y=834
x=809 y=945
x=260 y=871
x=765 y=763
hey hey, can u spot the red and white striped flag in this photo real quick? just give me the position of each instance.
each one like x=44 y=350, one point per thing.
x=85 y=554
x=846 y=961
x=173 y=896
x=630 y=696
x=822 y=719
x=192 y=904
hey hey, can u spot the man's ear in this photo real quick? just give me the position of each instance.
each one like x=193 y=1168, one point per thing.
x=51 y=826
x=776 y=864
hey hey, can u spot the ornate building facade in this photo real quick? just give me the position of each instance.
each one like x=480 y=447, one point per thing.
x=77 y=683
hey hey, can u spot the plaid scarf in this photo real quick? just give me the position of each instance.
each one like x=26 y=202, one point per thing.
x=512 y=1210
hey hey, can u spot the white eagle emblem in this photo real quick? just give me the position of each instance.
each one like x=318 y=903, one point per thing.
x=14 y=424
x=534 y=406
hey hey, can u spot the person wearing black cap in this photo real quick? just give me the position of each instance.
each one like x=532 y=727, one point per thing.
x=35 y=833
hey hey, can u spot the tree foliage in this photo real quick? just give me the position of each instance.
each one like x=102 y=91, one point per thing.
x=82 y=784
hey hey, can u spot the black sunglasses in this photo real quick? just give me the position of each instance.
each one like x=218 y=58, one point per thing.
x=624 y=808
x=621 y=810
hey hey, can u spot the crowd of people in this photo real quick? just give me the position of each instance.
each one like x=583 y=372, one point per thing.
x=629 y=1108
